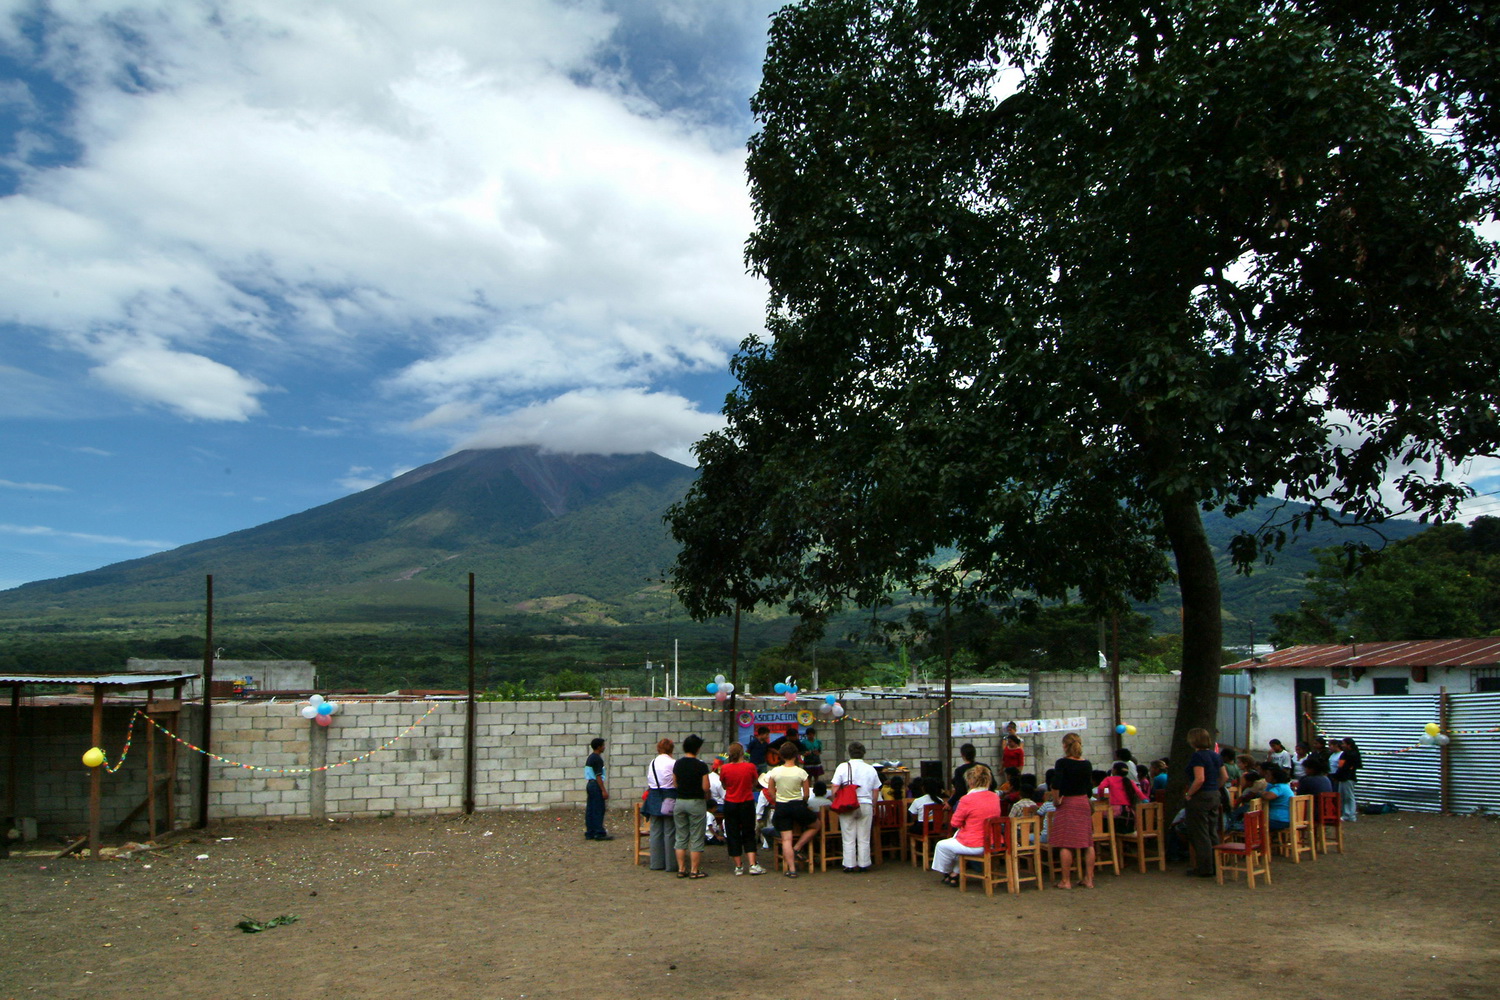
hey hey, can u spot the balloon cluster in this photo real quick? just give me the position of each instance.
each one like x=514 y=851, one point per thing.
x=720 y=688
x=831 y=706
x=787 y=687
x=1433 y=735
x=320 y=710
x=1125 y=730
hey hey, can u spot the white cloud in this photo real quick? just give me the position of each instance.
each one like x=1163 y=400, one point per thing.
x=607 y=422
x=363 y=477
x=306 y=184
x=190 y=384
x=41 y=531
x=33 y=487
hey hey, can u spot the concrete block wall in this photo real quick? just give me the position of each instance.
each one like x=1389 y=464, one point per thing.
x=529 y=755
x=1148 y=702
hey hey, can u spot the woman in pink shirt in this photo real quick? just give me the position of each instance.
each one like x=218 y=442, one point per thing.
x=974 y=810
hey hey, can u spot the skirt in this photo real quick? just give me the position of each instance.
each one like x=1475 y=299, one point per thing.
x=1072 y=823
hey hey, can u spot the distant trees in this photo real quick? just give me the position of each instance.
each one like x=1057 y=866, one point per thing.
x=1441 y=584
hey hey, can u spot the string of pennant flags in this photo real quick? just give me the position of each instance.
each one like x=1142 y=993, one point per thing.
x=1406 y=749
x=130 y=735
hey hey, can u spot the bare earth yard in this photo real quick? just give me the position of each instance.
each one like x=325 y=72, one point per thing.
x=519 y=905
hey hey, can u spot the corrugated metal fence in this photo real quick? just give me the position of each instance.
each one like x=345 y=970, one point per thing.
x=1398 y=770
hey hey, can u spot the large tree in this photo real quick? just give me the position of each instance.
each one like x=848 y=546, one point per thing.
x=1049 y=279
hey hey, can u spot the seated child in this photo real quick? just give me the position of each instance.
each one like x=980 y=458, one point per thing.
x=819 y=797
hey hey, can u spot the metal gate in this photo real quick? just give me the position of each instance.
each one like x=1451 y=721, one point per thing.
x=1399 y=770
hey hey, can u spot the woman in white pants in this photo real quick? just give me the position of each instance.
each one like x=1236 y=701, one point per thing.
x=855 y=826
x=978 y=806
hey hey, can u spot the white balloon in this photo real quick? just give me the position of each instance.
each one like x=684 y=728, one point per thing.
x=838 y=711
x=727 y=687
x=316 y=699
x=1441 y=739
x=309 y=711
x=333 y=708
x=718 y=678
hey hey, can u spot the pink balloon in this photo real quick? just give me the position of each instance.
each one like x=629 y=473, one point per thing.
x=721 y=696
x=791 y=696
x=324 y=720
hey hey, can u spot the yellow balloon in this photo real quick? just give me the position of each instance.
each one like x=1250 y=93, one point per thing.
x=1432 y=729
x=93 y=757
x=1129 y=730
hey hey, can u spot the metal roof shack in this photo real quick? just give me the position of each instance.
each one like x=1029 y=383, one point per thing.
x=97 y=685
x=1484 y=652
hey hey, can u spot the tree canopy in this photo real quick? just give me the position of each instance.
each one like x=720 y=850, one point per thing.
x=1441 y=584
x=1048 y=280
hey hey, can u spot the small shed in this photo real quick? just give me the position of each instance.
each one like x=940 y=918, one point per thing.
x=159 y=781
x=1284 y=683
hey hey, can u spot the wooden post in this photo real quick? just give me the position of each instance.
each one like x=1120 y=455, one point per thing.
x=150 y=735
x=1443 y=756
x=175 y=721
x=1114 y=682
x=13 y=767
x=206 y=737
x=96 y=776
x=470 y=715
x=734 y=678
x=945 y=717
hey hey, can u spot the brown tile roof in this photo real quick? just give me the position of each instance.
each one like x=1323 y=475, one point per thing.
x=1408 y=653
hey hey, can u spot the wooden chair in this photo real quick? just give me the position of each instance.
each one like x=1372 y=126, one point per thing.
x=1299 y=838
x=935 y=826
x=807 y=862
x=1329 y=814
x=997 y=863
x=1148 y=843
x=1249 y=855
x=642 y=828
x=828 y=845
x=1028 y=850
x=888 y=834
x=1106 y=841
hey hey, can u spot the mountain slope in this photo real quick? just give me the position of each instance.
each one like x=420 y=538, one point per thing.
x=503 y=511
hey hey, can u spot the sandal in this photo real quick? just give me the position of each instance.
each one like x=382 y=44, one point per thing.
x=950 y=880
x=683 y=874
x=698 y=875
x=790 y=874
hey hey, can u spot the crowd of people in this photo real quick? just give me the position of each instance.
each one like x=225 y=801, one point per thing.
x=768 y=795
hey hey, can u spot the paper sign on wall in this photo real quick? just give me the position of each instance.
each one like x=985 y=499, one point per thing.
x=918 y=728
x=1052 y=725
x=974 y=728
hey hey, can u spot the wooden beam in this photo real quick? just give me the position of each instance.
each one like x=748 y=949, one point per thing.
x=96 y=776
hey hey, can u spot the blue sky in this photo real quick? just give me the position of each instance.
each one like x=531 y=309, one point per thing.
x=257 y=255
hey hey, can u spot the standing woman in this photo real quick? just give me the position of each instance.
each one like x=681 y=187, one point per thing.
x=739 y=778
x=662 y=787
x=854 y=827
x=812 y=757
x=1344 y=778
x=691 y=778
x=1206 y=776
x=1073 y=823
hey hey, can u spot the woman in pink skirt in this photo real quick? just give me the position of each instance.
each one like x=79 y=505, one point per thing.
x=1072 y=826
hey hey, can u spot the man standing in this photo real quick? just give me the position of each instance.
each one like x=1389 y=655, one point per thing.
x=598 y=794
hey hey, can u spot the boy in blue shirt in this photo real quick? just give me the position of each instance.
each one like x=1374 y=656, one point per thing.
x=598 y=794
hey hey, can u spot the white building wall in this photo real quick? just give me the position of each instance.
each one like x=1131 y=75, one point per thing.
x=1273 y=700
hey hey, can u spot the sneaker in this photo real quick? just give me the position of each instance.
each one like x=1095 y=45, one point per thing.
x=757 y=870
x=739 y=869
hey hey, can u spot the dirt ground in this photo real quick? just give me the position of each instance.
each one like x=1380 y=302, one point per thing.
x=511 y=905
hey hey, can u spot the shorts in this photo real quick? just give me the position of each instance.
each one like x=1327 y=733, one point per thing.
x=789 y=814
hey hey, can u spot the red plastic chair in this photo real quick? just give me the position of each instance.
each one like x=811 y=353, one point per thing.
x=1251 y=855
x=935 y=826
x=1330 y=813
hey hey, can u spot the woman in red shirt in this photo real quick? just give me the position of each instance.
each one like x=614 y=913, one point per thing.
x=1014 y=754
x=975 y=809
x=741 y=782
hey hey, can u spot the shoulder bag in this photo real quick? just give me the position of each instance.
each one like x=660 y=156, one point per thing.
x=846 y=797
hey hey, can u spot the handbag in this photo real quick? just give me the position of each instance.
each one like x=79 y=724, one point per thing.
x=846 y=796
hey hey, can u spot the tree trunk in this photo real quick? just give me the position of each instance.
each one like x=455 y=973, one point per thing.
x=1202 y=634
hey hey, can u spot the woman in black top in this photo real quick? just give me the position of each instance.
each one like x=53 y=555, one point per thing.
x=1072 y=826
x=1344 y=778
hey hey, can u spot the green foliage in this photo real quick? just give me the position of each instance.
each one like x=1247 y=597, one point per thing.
x=1442 y=584
x=1049 y=281
x=836 y=668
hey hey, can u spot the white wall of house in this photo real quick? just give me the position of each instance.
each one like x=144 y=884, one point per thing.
x=1273 y=700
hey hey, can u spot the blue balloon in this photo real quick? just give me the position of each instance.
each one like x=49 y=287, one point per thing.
x=325 y=709
x=830 y=699
x=780 y=687
x=713 y=688
x=1120 y=729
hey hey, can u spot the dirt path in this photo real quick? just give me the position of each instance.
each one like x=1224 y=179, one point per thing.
x=519 y=905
